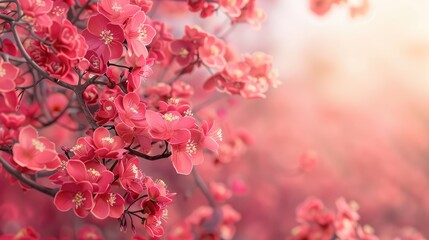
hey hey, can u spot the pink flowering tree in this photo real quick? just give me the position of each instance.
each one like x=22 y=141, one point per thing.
x=106 y=75
x=92 y=90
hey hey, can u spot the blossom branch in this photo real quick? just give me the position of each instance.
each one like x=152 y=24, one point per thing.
x=212 y=223
x=18 y=175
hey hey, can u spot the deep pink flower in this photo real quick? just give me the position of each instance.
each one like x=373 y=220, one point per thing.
x=106 y=113
x=109 y=204
x=187 y=154
x=130 y=110
x=77 y=196
x=34 y=152
x=153 y=226
x=107 y=146
x=66 y=40
x=130 y=175
x=157 y=192
x=104 y=37
x=92 y=172
x=8 y=74
x=117 y=11
x=170 y=126
x=138 y=34
x=184 y=51
x=84 y=149
x=136 y=135
x=212 y=51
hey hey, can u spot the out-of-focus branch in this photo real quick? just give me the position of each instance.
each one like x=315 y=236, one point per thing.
x=212 y=223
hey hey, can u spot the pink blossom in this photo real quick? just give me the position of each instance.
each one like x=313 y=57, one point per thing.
x=66 y=40
x=212 y=51
x=117 y=11
x=138 y=34
x=36 y=11
x=75 y=195
x=233 y=8
x=187 y=154
x=184 y=51
x=141 y=69
x=170 y=126
x=130 y=176
x=107 y=146
x=34 y=152
x=106 y=113
x=8 y=74
x=92 y=172
x=153 y=226
x=212 y=137
x=84 y=149
x=130 y=110
x=109 y=204
x=104 y=37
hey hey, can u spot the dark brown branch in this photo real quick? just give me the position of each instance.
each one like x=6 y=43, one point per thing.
x=148 y=157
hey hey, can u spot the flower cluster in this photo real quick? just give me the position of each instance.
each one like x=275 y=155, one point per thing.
x=318 y=222
x=84 y=100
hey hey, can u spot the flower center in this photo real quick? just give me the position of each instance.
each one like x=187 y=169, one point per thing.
x=78 y=200
x=132 y=109
x=106 y=36
x=112 y=199
x=117 y=8
x=76 y=147
x=38 y=145
x=2 y=72
x=142 y=32
x=183 y=52
x=170 y=117
x=107 y=139
x=219 y=134
x=214 y=50
x=191 y=148
x=93 y=173
x=135 y=170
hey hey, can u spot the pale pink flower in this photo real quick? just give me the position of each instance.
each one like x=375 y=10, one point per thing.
x=117 y=11
x=8 y=74
x=220 y=192
x=138 y=34
x=233 y=7
x=36 y=11
x=211 y=136
x=170 y=126
x=34 y=152
x=75 y=195
x=107 y=146
x=109 y=204
x=104 y=37
x=130 y=110
x=212 y=52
